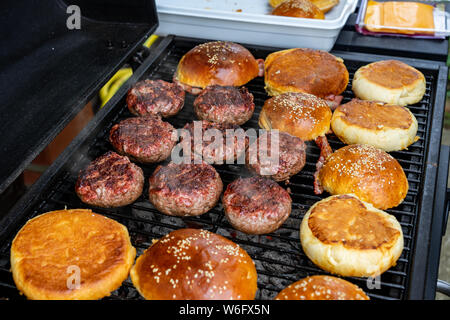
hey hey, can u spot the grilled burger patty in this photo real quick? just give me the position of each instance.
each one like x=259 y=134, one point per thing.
x=289 y=161
x=155 y=97
x=185 y=189
x=145 y=139
x=256 y=205
x=224 y=104
x=110 y=181
x=214 y=152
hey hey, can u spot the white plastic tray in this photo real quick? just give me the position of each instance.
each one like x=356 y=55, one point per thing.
x=221 y=20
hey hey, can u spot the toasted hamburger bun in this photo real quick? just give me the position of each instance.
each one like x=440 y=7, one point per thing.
x=193 y=264
x=349 y=237
x=324 y=5
x=305 y=70
x=216 y=63
x=371 y=174
x=298 y=9
x=322 y=288
x=389 y=81
x=384 y=126
x=299 y=114
x=51 y=247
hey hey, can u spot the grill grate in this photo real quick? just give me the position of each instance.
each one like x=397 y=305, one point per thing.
x=278 y=256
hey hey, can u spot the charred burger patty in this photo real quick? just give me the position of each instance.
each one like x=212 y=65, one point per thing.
x=110 y=181
x=185 y=189
x=145 y=139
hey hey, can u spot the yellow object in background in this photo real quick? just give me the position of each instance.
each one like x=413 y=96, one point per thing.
x=119 y=78
x=116 y=81
x=148 y=43
x=398 y=17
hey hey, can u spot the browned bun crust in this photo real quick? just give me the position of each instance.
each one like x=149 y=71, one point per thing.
x=305 y=70
x=384 y=126
x=298 y=9
x=193 y=264
x=299 y=114
x=323 y=5
x=219 y=62
x=347 y=236
x=322 y=288
x=390 y=81
x=369 y=173
x=47 y=250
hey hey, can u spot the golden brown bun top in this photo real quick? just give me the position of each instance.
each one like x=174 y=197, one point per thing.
x=305 y=70
x=322 y=288
x=392 y=74
x=375 y=115
x=275 y=3
x=48 y=244
x=371 y=174
x=346 y=220
x=299 y=114
x=299 y=9
x=323 y=5
x=196 y=264
x=219 y=62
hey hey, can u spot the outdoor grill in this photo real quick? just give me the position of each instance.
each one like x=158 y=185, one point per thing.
x=278 y=256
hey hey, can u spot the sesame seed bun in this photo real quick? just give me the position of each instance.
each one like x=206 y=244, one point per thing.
x=384 y=126
x=193 y=264
x=305 y=70
x=299 y=114
x=349 y=237
x=322 y=288
x=298 y=9
x=216 y=63
x=47 y=252
x=389 y=81
x=371 y=174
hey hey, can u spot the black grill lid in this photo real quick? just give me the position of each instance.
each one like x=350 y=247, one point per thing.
x=48 y=72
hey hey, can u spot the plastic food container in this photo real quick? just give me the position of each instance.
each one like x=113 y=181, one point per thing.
x=249 y=21
x=399 y=23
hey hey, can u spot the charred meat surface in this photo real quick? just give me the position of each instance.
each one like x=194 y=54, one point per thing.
x=230 y=144
x=185 y=189
x=224 y=104
x=111 y=180
x=288 y=160
x=155 y=97
x=145 y=139
x=256 y=205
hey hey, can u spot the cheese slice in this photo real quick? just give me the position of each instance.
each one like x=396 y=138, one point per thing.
x=398 y=17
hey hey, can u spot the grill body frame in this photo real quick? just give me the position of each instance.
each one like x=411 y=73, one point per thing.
x=416 y=280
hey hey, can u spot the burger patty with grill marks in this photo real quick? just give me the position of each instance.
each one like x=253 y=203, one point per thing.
x=224 y=104
x=289 y=160
x=185 y=189
x=256 y=205
x=111 y=180
x=144 y=139
x=155 y=97
x=233 y=144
